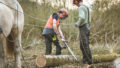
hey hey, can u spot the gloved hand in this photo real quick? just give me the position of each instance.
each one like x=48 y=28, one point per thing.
x=63 y=39
x=59 y=36
x=76 y=24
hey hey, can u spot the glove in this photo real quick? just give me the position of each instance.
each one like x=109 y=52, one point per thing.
x=63 y=39
x=76 y=24
x=59 y=36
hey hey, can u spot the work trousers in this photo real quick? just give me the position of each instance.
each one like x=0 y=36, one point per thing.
x=49 y=38
x=84 y=44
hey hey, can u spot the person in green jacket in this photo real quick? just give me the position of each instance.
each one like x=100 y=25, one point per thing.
x=83 y=24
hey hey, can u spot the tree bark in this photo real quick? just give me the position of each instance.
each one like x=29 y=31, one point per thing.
x=53 y=60
x=105 y=58
x=56 y=60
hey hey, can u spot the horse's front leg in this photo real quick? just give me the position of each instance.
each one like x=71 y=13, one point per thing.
x=2 y=64
x=17 y=52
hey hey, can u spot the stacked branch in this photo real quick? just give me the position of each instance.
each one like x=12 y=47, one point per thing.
x=56 y=60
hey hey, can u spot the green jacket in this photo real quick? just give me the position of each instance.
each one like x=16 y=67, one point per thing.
x=83 y=15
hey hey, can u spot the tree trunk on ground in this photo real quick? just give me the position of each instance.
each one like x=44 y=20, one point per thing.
x=105 y=58
x=56 y=60
x=1 y=56
x=53 y=60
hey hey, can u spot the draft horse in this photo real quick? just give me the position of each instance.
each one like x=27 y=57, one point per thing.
x=11 y=27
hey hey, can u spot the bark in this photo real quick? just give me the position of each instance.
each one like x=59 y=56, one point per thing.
x=56 y=60
x=53 y=60
x=105 y=58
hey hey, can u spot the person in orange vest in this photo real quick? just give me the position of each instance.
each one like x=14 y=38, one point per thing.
x=52 y=31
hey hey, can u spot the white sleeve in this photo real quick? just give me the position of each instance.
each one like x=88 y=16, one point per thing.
x=59 y=29
x=54 y=26
x=54 y=23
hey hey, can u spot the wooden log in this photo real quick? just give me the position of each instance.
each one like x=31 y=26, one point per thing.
x=56 y=60
x=53 y=60
x=105 y=58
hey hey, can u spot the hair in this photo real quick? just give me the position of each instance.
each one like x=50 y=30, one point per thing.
x=80 y=0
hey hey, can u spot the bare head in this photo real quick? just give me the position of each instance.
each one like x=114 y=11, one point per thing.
x=78 y=2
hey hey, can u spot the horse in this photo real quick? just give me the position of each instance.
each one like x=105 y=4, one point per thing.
x=11 y=28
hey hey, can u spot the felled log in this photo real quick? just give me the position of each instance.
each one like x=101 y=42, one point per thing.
x=105 y=58
x=53 y=60
x=56 y=60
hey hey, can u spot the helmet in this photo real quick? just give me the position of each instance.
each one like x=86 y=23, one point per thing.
x=63 y=13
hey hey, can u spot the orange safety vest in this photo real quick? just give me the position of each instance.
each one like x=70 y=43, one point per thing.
x=50 y=23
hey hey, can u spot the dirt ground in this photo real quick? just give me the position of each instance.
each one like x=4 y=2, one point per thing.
x=30 y=56
x=31 y=64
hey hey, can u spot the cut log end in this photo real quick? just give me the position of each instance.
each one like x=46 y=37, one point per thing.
x=41 y=61
x=53 y=60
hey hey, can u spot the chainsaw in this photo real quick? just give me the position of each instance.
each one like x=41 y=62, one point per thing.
x=71 y=52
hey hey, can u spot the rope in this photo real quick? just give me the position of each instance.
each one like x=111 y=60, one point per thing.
x=34 y=25
x=39 y=19
x=17 y=28
x=25 y=13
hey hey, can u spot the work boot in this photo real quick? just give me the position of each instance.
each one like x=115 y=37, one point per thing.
x=58 y=50
x=86 y=66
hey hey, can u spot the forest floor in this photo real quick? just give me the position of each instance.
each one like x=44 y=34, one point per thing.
x=29 y=62
x=30 y=54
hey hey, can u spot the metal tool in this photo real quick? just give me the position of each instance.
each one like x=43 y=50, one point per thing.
x=66 y=44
